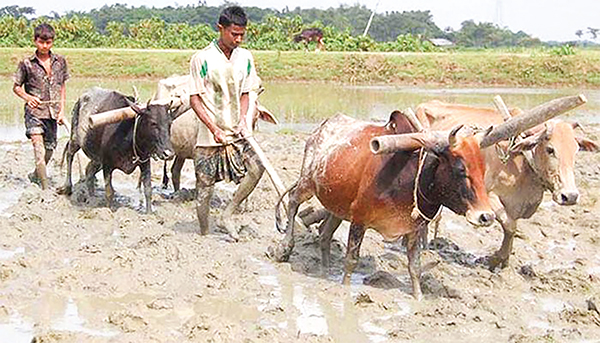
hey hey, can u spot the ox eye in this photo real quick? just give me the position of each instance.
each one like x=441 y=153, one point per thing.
x=550 y=150
x=460 y=171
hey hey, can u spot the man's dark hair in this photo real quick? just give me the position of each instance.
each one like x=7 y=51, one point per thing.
x=44 y=32
x=233 y=15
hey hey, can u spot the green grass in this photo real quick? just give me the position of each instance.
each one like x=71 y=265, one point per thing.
x=527 y=68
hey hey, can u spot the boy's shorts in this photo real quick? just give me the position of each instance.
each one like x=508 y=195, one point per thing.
x=45 y=127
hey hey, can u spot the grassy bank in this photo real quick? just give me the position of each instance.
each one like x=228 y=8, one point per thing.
x=533 y=69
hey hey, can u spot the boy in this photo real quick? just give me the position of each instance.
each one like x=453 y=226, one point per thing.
x=40 y=81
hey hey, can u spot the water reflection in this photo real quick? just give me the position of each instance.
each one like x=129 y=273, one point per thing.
x=299 y=106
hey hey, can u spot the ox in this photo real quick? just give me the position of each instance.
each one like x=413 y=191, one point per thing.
x=313 y=34
x=382 y=191
x=185 y=129
x=542 y=160
x=124 y=145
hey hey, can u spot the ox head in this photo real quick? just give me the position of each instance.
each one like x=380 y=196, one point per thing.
x=153 y=131
x=452 y=174
x=552 y=148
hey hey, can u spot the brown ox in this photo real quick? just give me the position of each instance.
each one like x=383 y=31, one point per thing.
x=543 y=160
x=379 y=191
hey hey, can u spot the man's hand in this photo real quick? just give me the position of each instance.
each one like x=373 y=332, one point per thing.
x=220 y=136
x=241 y=131
x=33 y=101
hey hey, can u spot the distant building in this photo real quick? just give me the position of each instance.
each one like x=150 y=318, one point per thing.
x=441 y=42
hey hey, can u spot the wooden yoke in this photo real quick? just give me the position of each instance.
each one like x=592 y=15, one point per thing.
x=120 y=114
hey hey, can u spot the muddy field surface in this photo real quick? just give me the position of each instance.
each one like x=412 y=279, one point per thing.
x=71 y=270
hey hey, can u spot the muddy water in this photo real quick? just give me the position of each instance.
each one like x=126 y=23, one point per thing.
x=299 y=106
x=73 y=271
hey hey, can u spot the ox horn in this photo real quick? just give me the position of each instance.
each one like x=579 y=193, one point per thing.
x=531 y=118
x=452 y=135
x=406 y=142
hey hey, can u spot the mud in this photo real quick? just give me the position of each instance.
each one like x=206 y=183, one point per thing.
x=71 y=270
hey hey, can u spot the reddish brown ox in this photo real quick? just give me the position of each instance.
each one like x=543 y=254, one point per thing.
x=378 y=191
x=543 y=160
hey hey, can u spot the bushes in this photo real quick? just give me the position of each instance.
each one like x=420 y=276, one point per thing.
x=272 y=33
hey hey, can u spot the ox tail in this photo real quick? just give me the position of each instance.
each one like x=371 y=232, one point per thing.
x=64 y=155
x=277 y=208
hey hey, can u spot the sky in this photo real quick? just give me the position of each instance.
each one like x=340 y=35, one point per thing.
x=545 y=19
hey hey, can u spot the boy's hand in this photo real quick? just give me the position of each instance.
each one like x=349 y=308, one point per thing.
x=33 y=101
x=60 y=118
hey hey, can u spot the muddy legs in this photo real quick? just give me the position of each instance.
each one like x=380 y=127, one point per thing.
x=40 y=155
x=326 y=231
x=355 y=239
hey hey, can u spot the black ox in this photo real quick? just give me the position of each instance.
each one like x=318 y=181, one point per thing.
x=124 y=145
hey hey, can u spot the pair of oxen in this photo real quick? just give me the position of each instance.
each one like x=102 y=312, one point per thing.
x=389 y=177
x=394 y=179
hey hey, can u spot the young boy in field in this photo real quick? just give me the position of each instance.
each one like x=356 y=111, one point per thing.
x=40 y=81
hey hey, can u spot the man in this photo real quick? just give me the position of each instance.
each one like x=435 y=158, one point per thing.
x=40 y=81
x=222 y=76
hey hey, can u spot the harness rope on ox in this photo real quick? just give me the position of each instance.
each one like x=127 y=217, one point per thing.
x=136 y=158
x=416 y=212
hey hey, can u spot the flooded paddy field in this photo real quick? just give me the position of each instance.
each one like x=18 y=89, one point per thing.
x=71 y=270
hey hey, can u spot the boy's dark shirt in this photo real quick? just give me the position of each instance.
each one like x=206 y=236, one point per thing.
x=32 y=76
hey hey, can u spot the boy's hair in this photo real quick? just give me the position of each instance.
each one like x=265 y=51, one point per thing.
x=233 y=15
x=44 y=32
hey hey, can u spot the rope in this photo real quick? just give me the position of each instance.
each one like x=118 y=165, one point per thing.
x=416 y=210
x=136 y=157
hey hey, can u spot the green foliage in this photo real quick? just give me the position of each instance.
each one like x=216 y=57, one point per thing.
x=563 y=50
x=192 y=27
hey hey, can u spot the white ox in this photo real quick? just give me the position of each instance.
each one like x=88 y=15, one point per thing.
x=543 y=160
x=184 y=129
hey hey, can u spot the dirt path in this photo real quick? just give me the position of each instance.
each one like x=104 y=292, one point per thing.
x=73 y=271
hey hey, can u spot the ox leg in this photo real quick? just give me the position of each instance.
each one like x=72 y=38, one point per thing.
x=145 y=177
x=355 y=239
x=165 y=179
x=414 y=263
x=90 y=176
x=71 y=150
x=176 y=172
x=110 y=192
x=303 y=191
x=255 y=170
x=326 y=231
x=509 y=226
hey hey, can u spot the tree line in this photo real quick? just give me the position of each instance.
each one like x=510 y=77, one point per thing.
x=192 y=26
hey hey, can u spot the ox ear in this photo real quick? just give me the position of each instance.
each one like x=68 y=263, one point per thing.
x=392 y=123
x=265 y=114
x=587 y=145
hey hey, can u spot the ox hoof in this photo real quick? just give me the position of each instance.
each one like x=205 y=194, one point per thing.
x=64 y=190
x=494 y=262
x=279 y=253
x=226 y=226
